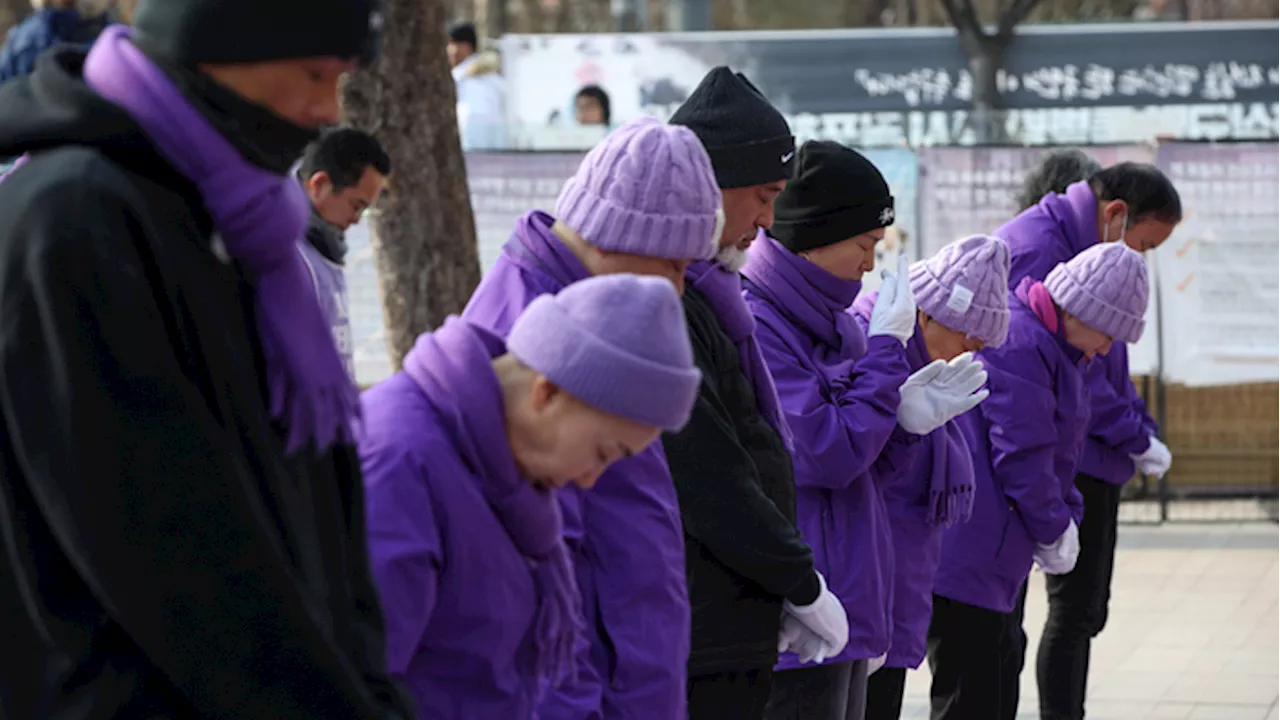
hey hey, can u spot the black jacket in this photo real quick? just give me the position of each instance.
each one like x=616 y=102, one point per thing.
x=736 y=486
x=160 y=557
x=327 y=239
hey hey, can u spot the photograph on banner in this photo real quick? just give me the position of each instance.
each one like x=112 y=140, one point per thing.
x=1220 y=270
x=1077 y=84
x=964 y=191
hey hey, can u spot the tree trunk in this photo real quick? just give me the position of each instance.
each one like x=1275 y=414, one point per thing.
x=424 y=237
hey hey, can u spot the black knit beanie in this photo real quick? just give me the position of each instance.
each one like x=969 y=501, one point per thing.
x=747 y=138
x=187 y=32
x=836 y=194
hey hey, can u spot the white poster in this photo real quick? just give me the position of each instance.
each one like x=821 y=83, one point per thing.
x=1220 y=271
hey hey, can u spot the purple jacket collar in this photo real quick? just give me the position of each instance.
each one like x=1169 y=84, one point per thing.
x=1031 y=297
x=1076 y=212
x=808 y=296
x=534 y=248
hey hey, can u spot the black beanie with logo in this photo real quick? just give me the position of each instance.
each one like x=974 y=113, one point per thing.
x=188 y=32
x=836 y=194
x=747 y=138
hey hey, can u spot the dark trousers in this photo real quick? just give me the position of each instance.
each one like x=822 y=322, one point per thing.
x=820 y=692
x=1078 y=605
x=743 y=694
x=884 y=693
x=968 y=650
x=1015 y=656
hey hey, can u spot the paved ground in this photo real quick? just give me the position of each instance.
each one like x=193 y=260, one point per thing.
x=1193 y=632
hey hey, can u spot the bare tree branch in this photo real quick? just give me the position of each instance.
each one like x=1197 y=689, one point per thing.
x=963 y=15
x=1013 y=15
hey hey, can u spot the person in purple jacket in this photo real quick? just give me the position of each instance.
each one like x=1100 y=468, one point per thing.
x=843 y=393
x=963 y=299
x=1025 y=441
x=642 y=201
x=1138 y=206
x=461 y=453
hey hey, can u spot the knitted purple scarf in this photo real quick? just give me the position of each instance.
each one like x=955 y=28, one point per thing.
x=260 y=217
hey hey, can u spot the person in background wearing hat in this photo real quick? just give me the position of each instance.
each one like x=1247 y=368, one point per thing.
x=343 y=173
x=1136 y=205
x=462 y=454
x=1025 y=441
x=183 y=506
x=963 y=299
x=732 y=463
x=1057 y=171
x=642 y=201
x=840 y=391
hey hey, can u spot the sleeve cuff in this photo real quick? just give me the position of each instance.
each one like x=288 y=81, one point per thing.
x=806 y=593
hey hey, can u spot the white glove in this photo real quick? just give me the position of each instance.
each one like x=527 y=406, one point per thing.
x=940 y=391
x=802 y=641
x=1060 y=557
x=875 y=664
x=823 y=617
x=1155 y=460
x=895 y=311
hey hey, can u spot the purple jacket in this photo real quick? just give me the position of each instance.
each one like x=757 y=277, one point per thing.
x=917 y=543
x=459 y=597
x=1054 y=231
x=839 y=392
x=625 y=534
x=1025 y=440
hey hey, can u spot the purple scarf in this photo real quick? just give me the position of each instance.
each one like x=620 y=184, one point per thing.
x=260 y=217
x=452 y=366
x=535 y=249
x=950 y=492
x=723 y=290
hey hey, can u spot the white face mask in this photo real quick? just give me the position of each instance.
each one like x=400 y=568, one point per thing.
x=1124 y=225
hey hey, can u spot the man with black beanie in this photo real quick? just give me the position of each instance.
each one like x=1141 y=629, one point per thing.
x=732 y=463
x=182 y=502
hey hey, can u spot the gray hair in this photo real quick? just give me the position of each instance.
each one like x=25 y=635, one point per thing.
x=1055 y=172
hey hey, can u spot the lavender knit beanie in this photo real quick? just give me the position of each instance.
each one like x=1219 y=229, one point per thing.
x=965 y=286
x=1106 y=287
x=647 y=189
x=616 y=342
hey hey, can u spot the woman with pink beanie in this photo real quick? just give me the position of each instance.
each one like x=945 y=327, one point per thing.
x=962 y=296
x=1025 y=440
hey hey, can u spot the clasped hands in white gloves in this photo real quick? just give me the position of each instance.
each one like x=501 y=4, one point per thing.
x=1060 y=557
x=894 y=313
x=940 y=391
x=1155 y=460
x=816 y=631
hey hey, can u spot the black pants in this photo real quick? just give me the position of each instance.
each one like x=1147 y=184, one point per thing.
x=820 y=692
x=968 y=648
x=1078 y=605
x=721 y=696
x=884 y=693
x=1015 y=657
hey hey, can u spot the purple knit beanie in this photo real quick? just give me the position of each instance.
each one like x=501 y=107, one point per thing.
x=1106 y=287
x=616 y=342
x=965 y=286
x=647 y=189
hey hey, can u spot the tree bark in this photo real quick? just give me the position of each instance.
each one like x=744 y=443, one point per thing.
x=985 y=51
x=424 y=237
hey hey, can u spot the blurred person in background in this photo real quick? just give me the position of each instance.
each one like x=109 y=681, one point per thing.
x=1025 y=440
x=481 y=90
x=464 y=452
x=963 y=299
x=732 y=463
x=642 y=201
x=183 y=510
x=343 y=173
x=54 y=21
x=591 y=106
x=1136 y=205
x=854 y=408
